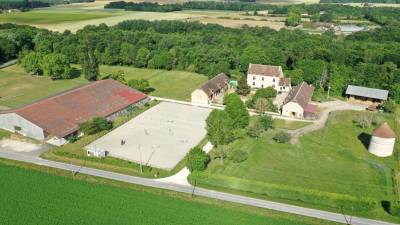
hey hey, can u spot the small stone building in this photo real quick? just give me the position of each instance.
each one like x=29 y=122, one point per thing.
x=382 y=141
x=297 y=103
x=211 y=91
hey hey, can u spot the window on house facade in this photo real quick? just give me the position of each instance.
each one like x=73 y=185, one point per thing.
x=262 y=78
x=254 y=77
x=254 y=83
x=273 y=79
x=262 y=85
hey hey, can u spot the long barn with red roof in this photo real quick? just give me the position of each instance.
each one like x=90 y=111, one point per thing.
x=59 y=116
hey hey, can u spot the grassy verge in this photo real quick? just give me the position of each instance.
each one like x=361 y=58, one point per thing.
x=74 y=153
x=48 y=195
x=330 y=169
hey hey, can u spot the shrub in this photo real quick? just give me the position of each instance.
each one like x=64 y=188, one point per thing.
x=95 y=125
x=218 y=153
x=364 y=121
x=142 y=85
x=197 y=159
x=281 y=137
x=73 y=138
x=389 y=106
x=255 y=130
x=238 y=156
x=266 y=122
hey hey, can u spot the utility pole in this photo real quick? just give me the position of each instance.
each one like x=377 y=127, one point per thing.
x=329 y=88
x=140 y=159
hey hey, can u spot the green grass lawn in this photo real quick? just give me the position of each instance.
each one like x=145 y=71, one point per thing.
x=18 y=88
x=48 y=17
x=289 y=125
x=329 y=169
x=40 y=195
x=168 y=84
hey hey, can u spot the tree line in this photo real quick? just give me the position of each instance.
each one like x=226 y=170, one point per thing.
x=361 y=1
x=370 y=58
x=22 y=5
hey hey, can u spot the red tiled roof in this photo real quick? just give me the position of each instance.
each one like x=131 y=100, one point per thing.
x=301 y=94
x=310 y=108
x=265 y=70
x=384 y=131
x=284 y=82
x=61 y=115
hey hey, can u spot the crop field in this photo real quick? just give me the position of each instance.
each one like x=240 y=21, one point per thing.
x=18 y=88
x=38 y=195
x=76 y=16
x=42 y=18
x=329 y=169
x=167 y=84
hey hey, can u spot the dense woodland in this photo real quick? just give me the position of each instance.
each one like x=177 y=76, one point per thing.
x=22 y=5
x=370 y=58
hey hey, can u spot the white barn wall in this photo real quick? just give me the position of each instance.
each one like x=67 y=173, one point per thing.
x=381 y=147
x=9 y=120
x=200 y=97
x=259 y=81
x=290 y=107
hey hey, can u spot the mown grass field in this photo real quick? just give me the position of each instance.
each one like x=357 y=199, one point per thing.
x=329 y=169
x=18 y=88
x=167 y=84
x=39 y=195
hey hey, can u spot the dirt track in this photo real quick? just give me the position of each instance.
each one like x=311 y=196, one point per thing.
x=318 y=124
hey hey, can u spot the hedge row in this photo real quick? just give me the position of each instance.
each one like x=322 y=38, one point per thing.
x=316 y=197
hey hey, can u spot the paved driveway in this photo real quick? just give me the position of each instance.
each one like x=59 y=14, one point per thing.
x=159 y=137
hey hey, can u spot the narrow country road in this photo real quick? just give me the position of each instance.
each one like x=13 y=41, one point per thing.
x=318 y=124
x=189 y=189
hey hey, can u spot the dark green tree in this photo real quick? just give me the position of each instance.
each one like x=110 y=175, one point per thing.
x=237 y=111
x=197 y=159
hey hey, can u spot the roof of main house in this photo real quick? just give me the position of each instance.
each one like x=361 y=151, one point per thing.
x=264 y=70
x=60 y=115
x=215 y=84
x=300 y=94
x=367 y=92
x=384 y=131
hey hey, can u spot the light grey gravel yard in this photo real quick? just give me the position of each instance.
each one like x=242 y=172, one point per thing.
x=159 y=137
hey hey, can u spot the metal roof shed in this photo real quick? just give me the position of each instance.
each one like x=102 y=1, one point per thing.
x=365 y=92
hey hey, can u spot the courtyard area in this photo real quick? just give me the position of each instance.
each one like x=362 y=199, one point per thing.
x=160 y=137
